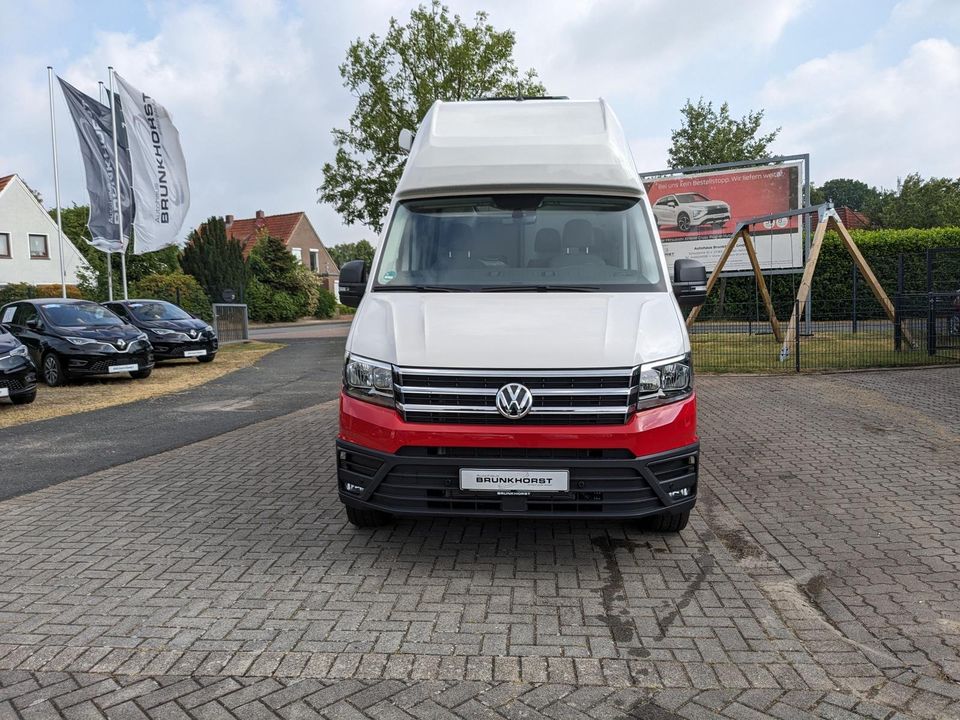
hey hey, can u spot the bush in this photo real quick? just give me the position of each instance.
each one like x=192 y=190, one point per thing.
x=345 y=309
x=264 y=304
x=326 y=304
x=25 y=291
x=164 y=287
x=54 y=290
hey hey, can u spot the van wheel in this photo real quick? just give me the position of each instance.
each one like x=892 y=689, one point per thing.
x=25 y=398
x=52 y=370
x=683 y=221
x=363 y=517
x=667 y=522
x=141 y=374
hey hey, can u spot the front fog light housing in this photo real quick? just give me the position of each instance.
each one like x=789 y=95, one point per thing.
x=368 y=380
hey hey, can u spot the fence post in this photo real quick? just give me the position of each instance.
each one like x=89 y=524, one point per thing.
x=931 y=323
x=855 y=297
x=796 y=338
x=898 y=308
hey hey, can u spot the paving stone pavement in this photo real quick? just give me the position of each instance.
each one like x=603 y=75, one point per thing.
x=819 y=578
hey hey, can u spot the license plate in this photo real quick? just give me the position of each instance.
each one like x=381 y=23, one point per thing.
x=123 y=368
x=4 y=392
x=515 y=481
x=194 y=353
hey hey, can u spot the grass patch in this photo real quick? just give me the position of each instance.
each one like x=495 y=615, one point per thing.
x=169 y=376
x=739 y=352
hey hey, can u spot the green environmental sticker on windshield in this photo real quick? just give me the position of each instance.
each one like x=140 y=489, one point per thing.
x=389 y=275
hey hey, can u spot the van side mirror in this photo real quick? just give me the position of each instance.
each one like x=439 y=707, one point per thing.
x=405 y=141
x=353 y=282
x=689 y=283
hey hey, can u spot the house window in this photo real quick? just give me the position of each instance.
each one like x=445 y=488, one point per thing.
x=38 y=247
x=314 y=260
x=297 y=254
x=4 y=245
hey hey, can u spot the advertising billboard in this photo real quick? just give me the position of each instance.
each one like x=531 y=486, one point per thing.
x=697 y=213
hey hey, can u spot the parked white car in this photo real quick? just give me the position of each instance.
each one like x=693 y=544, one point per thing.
x=518 y=350
x=686 y=210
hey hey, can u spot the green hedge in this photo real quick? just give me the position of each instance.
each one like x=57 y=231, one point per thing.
x=192 y=298
x=832 y=289
x=25 y=291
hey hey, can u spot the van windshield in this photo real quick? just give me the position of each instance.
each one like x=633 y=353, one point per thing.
x=520 y=242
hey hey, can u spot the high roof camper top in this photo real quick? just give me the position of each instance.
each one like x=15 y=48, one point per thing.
x=496 y=145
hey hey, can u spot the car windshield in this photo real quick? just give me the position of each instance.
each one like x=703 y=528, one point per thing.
x=692 y=197
x=87 y=314
x=157 y=310
x=520 y=242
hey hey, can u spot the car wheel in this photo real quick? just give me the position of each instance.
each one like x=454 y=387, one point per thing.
x=683 y=221
x=364 y=517
x=207 y=358
x=25 y=398
x=667 y=522
x=141 y=374
x=52 y=371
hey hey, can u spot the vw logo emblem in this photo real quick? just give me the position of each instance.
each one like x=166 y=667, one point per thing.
x=514 y=401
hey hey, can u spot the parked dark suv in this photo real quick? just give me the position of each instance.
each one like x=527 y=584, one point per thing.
x=18 y=374
x=69 y=338
x=173 y=332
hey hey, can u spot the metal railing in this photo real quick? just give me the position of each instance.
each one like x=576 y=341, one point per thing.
x=231 y=322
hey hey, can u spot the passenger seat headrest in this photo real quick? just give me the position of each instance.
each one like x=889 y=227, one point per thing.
x=578 y=233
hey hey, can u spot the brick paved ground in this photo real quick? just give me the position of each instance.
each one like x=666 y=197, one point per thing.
x=819 y=579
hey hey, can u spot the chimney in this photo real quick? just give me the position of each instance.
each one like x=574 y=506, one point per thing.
x=259 y=214
x=228 y=221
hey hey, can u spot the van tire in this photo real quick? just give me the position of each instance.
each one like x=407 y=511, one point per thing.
x=364 y=518
x=667 y=522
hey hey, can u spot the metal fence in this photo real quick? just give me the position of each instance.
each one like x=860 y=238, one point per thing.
x=231 y=322
x=848 y=329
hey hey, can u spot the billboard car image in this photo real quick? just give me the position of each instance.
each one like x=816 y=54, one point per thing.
x=697 y=213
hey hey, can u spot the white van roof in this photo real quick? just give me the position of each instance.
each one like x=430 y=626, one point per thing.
x=497 y=145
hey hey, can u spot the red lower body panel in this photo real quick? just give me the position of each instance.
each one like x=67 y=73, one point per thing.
x=649 y=432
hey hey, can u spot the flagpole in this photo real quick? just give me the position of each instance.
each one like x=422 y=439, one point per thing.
x=56 y=181
x=116 y=167
x=109 y=263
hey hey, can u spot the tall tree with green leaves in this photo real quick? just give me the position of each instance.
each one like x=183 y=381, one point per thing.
x=846 y=192
x=345 y=252
x=707 y=137
x=395 y=79
x=919 y=203
x=216 y=261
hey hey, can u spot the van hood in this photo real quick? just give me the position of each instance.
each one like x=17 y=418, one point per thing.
x=518 y=330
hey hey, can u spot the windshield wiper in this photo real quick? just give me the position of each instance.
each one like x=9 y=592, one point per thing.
x=418 y=288
x=540 y=288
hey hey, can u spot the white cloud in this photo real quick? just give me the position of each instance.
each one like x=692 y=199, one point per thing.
x=865 y=120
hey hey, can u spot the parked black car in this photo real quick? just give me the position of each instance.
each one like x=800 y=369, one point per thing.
x=173 y=332
x=69 y=338
x=18 y=374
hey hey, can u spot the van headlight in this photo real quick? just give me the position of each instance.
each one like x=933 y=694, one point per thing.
x=368 y=380
x=664 y=381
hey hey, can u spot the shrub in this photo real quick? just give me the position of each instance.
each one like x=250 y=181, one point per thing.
x=326 y=304
x=164 y=287
x=214 y=260
x=54 y=290
x=17 y=291
x=264 y=304
x=345 y=309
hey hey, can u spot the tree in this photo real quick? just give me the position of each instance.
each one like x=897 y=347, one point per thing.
x=395 y=80
x=345 y=252
x=849 y=193
x=919 y=203
x=94 y=283
x=707 y=137
x=214 y=260
x=271 y=262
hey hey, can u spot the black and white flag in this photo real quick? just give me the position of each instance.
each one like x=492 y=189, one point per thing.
x=159 y=170
x=94 y=129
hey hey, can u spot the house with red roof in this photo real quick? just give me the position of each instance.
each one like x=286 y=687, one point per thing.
x=296 y=230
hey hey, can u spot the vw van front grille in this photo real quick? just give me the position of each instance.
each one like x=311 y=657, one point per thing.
x=560 y=397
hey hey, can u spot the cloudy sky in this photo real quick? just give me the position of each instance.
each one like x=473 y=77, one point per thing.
x=871 y=88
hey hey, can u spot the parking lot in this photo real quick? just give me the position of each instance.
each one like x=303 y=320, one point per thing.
x=820 y=577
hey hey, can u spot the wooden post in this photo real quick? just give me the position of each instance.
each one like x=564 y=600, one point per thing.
x=867 y=272
x=744 y=233
x=803 y=292
x=765 y=294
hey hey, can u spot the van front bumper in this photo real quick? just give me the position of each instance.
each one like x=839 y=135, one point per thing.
x=647 y=466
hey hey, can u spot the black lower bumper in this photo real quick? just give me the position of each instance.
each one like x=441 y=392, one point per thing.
x=179 y=350
x=603 y=483
x=100 y=363
x=19 y=381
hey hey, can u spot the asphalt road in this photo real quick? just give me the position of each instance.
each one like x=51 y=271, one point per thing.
x=40 y=454
x=311 y=330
